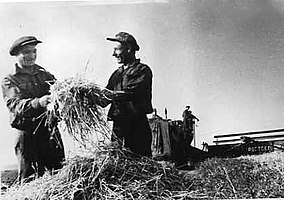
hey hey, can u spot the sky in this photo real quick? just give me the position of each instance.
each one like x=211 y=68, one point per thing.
x=224 y=58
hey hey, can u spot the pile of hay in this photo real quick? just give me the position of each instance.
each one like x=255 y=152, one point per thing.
x=256 y=176
x=112 y=173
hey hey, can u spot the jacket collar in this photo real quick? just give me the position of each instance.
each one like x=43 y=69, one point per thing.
x=135 y=62
x=35 y=69
x=124 y=67
x=130 y=65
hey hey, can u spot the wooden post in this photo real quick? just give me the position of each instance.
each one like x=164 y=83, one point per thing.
x=193 y=131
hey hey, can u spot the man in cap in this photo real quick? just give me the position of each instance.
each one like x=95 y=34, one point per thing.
x=185 y=116
x=26 y=94
x=130 y=88
x=188 y=124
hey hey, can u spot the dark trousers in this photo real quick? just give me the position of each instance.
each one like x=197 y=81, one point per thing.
x=135 y=133
x=38 y=152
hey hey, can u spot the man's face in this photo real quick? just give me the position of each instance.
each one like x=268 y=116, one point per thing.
x=27 y=55
x=120 y=52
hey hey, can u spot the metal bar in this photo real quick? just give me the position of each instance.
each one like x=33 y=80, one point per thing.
x=276 y=140
x=249 y=133
x=223 y=141
x=260 y=137
x=272 y=140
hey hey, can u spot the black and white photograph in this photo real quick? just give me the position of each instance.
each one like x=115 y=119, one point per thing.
x=142 y=99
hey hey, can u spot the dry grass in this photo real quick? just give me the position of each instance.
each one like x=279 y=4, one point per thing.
x=110 y=174
x=257 y=176
x=75 y=101
x=274 y=160
x=115 y=173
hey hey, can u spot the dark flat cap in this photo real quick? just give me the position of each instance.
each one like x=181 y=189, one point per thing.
x=125 y=38
x=22 y=41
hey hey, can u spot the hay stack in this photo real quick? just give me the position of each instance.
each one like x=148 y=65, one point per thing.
x=111 y=173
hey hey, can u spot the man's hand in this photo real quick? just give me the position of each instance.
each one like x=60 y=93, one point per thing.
x=116 y=95
x=120 y=95
x=109 y=94
x=44 y=101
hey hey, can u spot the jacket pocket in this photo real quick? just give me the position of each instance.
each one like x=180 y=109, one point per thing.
x=23 y=124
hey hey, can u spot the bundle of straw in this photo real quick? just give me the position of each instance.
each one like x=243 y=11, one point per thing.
x=75 y=101
x=111 y=173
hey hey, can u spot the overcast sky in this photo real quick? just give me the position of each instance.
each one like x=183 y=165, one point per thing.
x=224 y=58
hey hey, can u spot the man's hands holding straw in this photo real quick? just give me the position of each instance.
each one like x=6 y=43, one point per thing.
x=103 y=97
x=109 y=96
x=44 y=101
x=116 y=95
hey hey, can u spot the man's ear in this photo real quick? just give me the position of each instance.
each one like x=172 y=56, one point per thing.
x=129 y=48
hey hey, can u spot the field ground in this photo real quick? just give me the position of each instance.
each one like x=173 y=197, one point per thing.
x=8 y=177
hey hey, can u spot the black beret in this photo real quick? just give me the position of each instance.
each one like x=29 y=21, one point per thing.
x=22 y=41
x=125 y=38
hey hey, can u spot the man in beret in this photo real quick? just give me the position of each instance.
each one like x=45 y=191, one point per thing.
x=26 y=93
x=130 y=88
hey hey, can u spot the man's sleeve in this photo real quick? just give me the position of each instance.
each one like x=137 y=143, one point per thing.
x=16 y=104
x=51 y=78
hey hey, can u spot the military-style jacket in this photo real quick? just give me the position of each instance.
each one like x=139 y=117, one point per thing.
x=21 y=92
x=136 y=81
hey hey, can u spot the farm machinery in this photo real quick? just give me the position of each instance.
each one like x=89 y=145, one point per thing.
x=246 y=143
x=169 y=143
